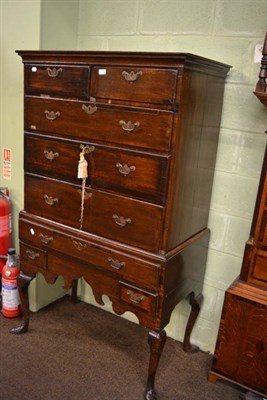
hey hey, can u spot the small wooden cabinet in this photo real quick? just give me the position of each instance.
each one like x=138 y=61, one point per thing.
x=148 y=125
x=241 y=349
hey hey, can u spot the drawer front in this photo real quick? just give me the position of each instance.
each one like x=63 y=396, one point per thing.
x=34 y=256
x=141 y=175
x=135 y=127
x=126 y=220
x=145 y=85
x=57 y=79
x=138 y=298
x=128 y=268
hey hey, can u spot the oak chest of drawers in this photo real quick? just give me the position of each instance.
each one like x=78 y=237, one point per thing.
x=147 y=125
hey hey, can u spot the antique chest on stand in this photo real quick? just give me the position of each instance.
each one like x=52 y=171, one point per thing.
x=135 y=229
x=241 y=349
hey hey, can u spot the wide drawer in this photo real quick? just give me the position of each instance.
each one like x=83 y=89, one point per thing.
x=57 y=79
x=110 y=124
x=127 y=268
x=119 y=218
x=144 y=85
x=136 y=174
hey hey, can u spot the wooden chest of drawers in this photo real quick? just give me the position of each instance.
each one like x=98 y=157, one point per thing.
x=148 y=124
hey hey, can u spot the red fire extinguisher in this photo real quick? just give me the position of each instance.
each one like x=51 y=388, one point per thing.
x=5 y=225
x=10 y=295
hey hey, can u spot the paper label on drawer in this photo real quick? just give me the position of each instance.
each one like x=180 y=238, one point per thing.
x=102 y=72
x=7 y=164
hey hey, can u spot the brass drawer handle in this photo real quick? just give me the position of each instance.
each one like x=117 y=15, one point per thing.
x=87 y=149
x=50 y=155
x=116 y=264
x=131 y=76
x=79 y=246
x=50 y=200
x=45 y=239
x=51 y=115
x=125 y=169
x=129 y=126
x=121 y=221
x=135 y=297
x=32 y=254
x=53 y=72
x=89 y=109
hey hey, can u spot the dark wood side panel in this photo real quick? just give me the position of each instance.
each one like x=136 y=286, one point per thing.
x=191 y=182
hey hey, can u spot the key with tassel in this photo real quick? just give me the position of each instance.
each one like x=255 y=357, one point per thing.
x=83 y=174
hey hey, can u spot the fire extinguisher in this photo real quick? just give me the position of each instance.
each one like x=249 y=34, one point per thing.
x=10 y=295
x=5 y=225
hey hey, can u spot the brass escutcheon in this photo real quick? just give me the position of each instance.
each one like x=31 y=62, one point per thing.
x=89 y=109
x=129 y=126
x=50 y=200
x=50 y=155
x=135 y=297
x=79 y=245
x=51 y=115
x=53 y=72
x=125 y=169
x=131 y=76
x=116 y=264
x=45 y=239
x=32 y=254
x=121 y=221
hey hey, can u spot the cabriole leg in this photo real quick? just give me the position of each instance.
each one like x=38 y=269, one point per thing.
x=23 y=282
x=195 y=303
x=156 y=341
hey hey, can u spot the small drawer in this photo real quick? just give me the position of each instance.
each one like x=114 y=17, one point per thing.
x=57 y=79
x=136 y=127
x=137 y=174
x=144 y=85
x=138 y=298
x=33 y=255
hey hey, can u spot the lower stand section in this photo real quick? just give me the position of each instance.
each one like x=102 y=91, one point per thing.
x=156 y=341
x=23 y=282
x=195 y=303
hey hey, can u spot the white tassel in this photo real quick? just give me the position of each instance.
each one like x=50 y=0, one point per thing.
x=82 y=167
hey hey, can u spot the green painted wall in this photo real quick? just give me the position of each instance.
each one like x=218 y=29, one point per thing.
x=224 y=30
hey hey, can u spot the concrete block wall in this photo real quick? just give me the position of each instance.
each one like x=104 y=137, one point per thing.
x=227 y=31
